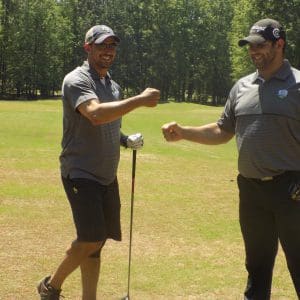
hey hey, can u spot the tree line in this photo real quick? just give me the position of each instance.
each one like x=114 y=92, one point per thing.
x=186 y=48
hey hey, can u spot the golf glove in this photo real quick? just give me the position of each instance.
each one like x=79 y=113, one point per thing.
x=135 y=141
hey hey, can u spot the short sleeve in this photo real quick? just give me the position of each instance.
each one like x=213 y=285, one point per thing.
x=227 y=118
x=78 y=90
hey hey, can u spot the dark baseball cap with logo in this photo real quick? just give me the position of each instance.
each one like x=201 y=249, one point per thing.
x=98 y=33
x=264 y=30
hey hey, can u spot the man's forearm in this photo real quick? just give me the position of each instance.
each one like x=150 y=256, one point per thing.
x=109 y=111
x=210 y=134
x=104 y=112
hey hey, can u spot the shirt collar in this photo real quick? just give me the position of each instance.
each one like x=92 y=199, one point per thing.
x=283 y=72
x=93 y=72
x=257 y=78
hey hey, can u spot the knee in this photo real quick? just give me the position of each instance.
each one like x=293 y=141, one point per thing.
x=85 y=249
x=89 y=248
x=97 y=253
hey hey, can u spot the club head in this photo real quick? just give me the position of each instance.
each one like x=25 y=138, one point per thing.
x=126 y=298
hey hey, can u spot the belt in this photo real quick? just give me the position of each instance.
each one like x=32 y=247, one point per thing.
x=267 y=178
x=270 y=178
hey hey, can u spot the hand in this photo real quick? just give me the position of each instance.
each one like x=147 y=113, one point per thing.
x=150 y=96
x=172 y=132
x=135 y=141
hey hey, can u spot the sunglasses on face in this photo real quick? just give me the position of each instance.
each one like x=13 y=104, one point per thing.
x=259 y=46
x=103 y=46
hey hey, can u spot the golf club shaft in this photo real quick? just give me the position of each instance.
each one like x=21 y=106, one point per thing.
x=131 y=217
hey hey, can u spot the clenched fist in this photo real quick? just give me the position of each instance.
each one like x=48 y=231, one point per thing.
x=172 y=132
x=150 y=97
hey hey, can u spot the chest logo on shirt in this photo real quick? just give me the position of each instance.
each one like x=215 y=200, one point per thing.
x=282 y=94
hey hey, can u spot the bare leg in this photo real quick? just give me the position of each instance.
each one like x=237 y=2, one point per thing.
x=78 y=253
x=90 y=270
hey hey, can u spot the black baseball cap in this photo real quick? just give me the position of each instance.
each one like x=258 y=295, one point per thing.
x=98 y=33
x=264 y=30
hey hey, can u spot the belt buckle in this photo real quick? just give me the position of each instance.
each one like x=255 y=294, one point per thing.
x=267 y=178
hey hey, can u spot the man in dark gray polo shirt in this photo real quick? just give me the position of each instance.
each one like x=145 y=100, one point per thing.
x=92 y=111
x=263 y=112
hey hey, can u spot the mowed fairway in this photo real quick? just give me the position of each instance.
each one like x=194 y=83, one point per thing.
x=186 y=238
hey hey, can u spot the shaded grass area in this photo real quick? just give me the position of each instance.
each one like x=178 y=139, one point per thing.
x=186 y=237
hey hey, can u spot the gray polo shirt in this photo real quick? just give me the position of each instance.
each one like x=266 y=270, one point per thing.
x=265 y=117
x=89 y=151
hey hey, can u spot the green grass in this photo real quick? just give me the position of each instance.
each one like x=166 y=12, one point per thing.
x=186 y=238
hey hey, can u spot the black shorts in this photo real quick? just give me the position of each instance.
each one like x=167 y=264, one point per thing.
x=95 y=208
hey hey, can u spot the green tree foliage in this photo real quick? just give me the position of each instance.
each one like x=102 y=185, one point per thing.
x=241 y=23
x=186 y=48
x=33 y=48
x=218 y=66
x=7 y=17
x=168 y=44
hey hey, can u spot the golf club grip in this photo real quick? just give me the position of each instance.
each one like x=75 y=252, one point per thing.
x=133 y=177
x=133 y=163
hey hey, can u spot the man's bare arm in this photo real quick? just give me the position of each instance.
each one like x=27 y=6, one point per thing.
x=210 y=134
x=101 y=113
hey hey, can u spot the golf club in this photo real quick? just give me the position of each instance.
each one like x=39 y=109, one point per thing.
x=127 y=297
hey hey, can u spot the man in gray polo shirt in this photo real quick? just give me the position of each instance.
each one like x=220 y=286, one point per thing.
x=92 y=111
x=263 y=112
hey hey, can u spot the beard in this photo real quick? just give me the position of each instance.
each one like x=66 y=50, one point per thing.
x=263 y=61
x=104 y=63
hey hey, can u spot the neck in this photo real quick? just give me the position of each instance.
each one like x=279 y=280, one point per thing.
x=102 y=72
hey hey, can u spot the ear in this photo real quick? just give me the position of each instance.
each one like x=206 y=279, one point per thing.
x=87 y=47
x=281 y=43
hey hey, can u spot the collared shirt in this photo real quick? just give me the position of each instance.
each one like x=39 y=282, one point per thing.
x=89 y=151
x=265 y=117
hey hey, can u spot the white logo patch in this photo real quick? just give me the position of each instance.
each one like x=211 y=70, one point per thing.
x=282 y=94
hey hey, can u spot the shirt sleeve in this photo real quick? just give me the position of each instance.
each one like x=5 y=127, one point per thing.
x=78 y=90
x=227 y=118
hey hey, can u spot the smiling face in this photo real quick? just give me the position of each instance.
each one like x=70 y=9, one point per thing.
x=267 y=56
x=263 y=54
x=101 y=56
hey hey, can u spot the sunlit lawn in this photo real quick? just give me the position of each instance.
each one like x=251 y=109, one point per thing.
x=186 y=238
